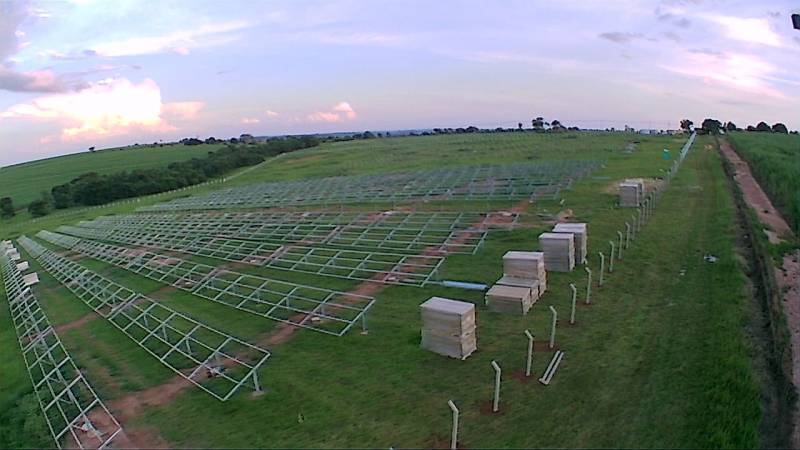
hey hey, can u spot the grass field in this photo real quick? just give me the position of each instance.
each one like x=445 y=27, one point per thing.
x=663 y=358
x=774 y=159
x=24 y=183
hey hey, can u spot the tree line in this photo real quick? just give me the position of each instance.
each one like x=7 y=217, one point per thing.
x=714 y=126
x=91 y=189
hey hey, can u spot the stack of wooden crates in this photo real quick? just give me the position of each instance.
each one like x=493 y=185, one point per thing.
x=448 y=327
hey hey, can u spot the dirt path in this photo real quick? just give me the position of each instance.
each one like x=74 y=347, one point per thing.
x=788 y=277
x=77 y=323
x=755 y=196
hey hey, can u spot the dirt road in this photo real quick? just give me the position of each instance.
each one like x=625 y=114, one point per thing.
x=787 y=276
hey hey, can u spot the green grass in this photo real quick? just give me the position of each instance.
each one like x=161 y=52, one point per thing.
x=25 y=182
x=662 y=359
x=774 y=159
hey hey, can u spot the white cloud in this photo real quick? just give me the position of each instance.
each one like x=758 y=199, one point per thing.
x=271 y=113
x=339 y=113
x=745 y=73
x=250 y=120
x=178 y=42
x=110 y=107
x=755 y=31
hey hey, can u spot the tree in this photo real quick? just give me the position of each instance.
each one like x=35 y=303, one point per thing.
x=519 y=126
x=40 y=207
x=687 y=125
x=711 y=126
x=6 y=207
x=91 y=149
x=780 y=128
x=750 y=128
x=730 y=126
x=538 y=124
x=763 y=127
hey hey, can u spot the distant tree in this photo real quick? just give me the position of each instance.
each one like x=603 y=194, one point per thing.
x=472 y=129
x=730 y=126
x=687 y=125
x=556 y=126
x=246 y=138
x=711 y=126
x=780 y=128
x=750 y=128
x=42 y=206
x=460 y=130
x=211 y=140
x=91 y=149
x=6 y=207
x=519 y=126
x=763 y=127
x=538 y=124
x=368 y=135
x=388 y=134
x=500 y=129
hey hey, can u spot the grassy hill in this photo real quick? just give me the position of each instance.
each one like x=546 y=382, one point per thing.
x=25 y=182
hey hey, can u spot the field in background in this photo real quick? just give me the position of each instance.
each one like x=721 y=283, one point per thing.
x=24 y=183
x=774 y=159
x=662 y=359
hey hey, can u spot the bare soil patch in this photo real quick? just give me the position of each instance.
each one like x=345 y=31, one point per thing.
x=754 y=195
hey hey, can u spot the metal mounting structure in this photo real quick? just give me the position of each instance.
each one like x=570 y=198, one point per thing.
x=323 y=310
x=211 y=359
x=381 y=267
x=70 y=406
x=472 y=183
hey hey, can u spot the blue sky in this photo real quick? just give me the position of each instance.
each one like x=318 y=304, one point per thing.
x=82 y=73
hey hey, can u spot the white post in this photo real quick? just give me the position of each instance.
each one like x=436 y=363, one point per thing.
x=619 y=252
x=627 y=235
x=529 y=362
x=454 y=438
x=602 y=267
x=588 y=285
x=574 y=299
x=611 y=259
x=496 y=403
x=635 y=227
x=639 y=222
x=553 y=328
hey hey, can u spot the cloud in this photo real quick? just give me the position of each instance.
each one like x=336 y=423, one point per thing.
x=110 y=107
x=36 y=81
x=339 y=113
x=182 y=110
x=179 y=42
x=672 y=36
x=271 y=113
x=673 y=19
x=250 y=120
x=620 y=37
x=742 y=72
x=750 y=30
x=344 y=107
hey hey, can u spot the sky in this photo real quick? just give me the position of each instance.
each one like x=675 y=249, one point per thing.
x=104 y=73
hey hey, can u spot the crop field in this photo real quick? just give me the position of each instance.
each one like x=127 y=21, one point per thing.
x=24 y=183
x=774 y=159
x=283 y=322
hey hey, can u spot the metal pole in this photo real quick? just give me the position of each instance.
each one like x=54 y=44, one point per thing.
x=588 y=285
x=611 y=259
x=496 y=403
x=529 y=362
x=454 y=437
x=553 y=328
x=639 y=222
x=574 y=299
x=602 y=268
x=627 y=235
x=619 y=252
